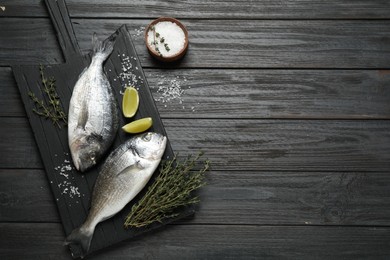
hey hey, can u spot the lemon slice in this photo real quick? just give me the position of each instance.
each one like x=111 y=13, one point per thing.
x=130 y=102
x=138 y=126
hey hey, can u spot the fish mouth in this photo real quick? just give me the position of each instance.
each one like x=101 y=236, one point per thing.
x=163 y=144
x=76 y=162
x=73 y=151
x=164 y=141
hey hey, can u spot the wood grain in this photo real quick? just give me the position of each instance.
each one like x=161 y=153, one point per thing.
x=24 y=8
x=261 y=198
x=28 y=41
x=261 y=9
x=216 y=9
x=25 y=196
x=18 y=148
x=27 y=241
x=266 y=44
x=284 y=145
x=221 y=43
x=10 y=100
x=250 y=145
x=299 y=94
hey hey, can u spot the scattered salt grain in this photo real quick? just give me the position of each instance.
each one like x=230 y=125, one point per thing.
x=173 y=36
x=139 y=31
x=169 y=90
x=66 y=187
x=126 y=76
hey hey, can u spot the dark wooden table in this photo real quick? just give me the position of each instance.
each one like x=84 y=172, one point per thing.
x=290 y=100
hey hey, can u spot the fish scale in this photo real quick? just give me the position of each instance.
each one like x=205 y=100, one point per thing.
x=123 y=175
x=93 y=111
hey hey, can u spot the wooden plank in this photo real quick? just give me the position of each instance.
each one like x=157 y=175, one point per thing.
x=266 y=44
x=221 y=43
x=18 y=147
x=30 y=41
x=33 y=241
x=26 y=8
x=10 y=100
x=299 y=94
x=262 y=9
x=284 y=145
x=261 y=198
x=216 y=9
x=26 y=197
x=249 y=145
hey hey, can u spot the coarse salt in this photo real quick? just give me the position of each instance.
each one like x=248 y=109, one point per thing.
x=126 y=75
x=173 y=35
x=66 y=186
x=169 y=90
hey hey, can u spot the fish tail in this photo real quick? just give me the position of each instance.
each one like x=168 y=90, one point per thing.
x=103 y=49
x=81 y=236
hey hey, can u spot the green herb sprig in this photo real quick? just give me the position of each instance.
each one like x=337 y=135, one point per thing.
x=52 y=108
x=157 y=38
x=173 y=188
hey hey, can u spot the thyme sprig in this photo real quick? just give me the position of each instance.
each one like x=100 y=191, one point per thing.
x=173 y=188
x=52 y=108
x=157 y=38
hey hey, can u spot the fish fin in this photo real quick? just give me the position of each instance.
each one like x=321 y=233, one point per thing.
x=104 y=48
x=131 y=168
x=83 y=118
x=81 y=236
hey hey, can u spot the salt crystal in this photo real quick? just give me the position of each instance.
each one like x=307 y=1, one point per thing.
x=173 y=35
x=64 y=174
x=139 y=31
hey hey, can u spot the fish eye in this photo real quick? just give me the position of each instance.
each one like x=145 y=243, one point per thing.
x=147 y=137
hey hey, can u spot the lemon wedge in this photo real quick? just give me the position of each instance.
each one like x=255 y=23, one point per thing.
x=130 y=102
x=138 y=126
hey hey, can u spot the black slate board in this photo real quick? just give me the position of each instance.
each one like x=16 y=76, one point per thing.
x=73 y=203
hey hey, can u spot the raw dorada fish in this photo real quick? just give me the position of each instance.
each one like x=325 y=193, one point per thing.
x=93 y=111
x=124 y=174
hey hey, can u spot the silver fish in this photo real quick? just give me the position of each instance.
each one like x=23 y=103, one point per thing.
x=124 y=174
x=93 y=111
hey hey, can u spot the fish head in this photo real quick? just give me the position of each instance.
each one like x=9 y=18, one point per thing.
x=85 y=152
x=150 y=145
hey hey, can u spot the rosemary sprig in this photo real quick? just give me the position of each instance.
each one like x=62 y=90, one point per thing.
x=173 y=188
x=53 y=110
x=156 y=39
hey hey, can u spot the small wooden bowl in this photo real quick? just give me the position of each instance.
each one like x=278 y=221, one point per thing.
x=154 y=53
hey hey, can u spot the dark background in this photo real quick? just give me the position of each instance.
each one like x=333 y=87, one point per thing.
x=290 y=100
